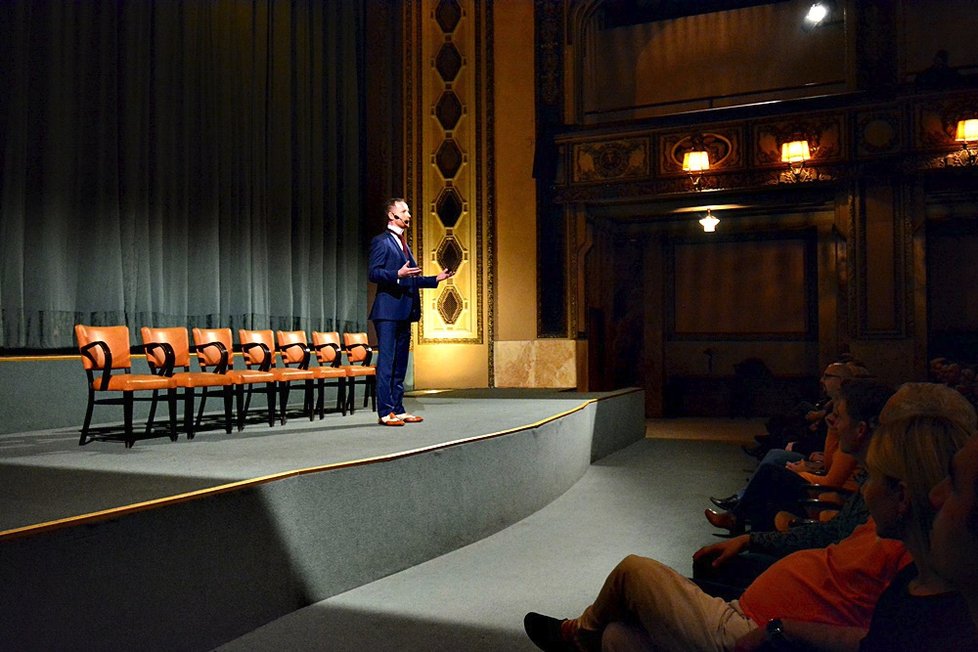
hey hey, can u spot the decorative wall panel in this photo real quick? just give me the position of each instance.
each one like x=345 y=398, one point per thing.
x=725 y=146
x=770 y=296
x=611 y=160
x=825 y=133
x=878 y=132
x=447 y=131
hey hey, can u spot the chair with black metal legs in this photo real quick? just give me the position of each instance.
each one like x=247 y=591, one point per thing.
x=258 y=349
x=294 y=348
x=167 y=350
x=326 y=345
x=215 y=353
x=359 y=353
x=105 y=349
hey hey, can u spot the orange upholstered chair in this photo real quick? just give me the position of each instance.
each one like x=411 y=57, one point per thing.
x=258 y=348
x=359 y=354
x=214 y=352
x=326 y=345
x=105 y=349
x=294 y=348
x=168 y=354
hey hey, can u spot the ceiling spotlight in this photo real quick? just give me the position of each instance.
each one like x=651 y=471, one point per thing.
x=816 y=13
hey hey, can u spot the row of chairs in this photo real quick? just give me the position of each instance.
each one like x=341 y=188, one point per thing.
x=107 y=360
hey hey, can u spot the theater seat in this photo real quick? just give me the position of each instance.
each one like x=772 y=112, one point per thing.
x=214 y=353
x=359 y=355
x=168 y=354
x=105 y=349
x=258 y=349
x=296 y=353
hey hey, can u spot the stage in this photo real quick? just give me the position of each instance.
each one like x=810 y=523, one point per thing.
x=228 y=532
x=49 y=477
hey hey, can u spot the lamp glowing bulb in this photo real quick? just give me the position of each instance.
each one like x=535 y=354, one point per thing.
x=967 y=131
x=709 y=222
x=817 y=13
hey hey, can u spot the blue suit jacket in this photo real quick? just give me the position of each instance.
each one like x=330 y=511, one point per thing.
x=397 y=299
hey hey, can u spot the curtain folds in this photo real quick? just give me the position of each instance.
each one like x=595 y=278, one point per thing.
x=179 y=163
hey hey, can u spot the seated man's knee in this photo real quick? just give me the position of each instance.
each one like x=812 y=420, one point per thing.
x=625 y=637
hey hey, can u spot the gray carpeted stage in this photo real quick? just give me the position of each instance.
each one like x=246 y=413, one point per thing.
x=47 y=476
x=190 y=545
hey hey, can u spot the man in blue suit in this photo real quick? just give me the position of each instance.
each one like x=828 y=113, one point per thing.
x=398 y=303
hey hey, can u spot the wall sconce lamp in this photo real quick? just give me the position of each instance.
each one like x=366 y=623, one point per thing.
x=709 y=222
x=967 y=135
x=795 y=153
x=695 y=162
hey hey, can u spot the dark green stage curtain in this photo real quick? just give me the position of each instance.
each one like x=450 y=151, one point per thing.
x=179 y=163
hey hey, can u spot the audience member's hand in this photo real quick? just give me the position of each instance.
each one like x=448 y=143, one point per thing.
x=722 y=552
x=407 y=270
x=754 y=640
x=815 y=415
x=801 y=466
x=818 y=457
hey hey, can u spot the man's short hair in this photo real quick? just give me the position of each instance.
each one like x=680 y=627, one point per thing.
x=865 y=399
x=389 y=204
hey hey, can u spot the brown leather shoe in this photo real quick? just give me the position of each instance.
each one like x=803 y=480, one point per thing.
x=725 y=520
x=407 y=417
x=390 y=420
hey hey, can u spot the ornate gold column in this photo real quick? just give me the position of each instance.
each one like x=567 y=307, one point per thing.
x=448 y=176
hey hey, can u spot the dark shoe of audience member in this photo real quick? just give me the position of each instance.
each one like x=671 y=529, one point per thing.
x=724 y=520
x=727 y=503
x=545 y=632
x=757 y=452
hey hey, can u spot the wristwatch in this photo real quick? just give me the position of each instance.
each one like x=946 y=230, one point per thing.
x=774 y=633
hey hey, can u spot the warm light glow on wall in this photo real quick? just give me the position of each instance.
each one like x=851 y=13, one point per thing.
x=796 y=151
x=967 y=131
x=696 y=161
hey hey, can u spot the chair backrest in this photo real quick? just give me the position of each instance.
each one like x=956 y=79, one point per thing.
x=210 y=356
x=356 y=353
x=326 y=354
x=176 y=337
x=255 y=356
x=291 y=354
x=116 y=339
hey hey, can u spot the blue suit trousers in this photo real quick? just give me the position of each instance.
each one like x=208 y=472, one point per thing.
x=393 y=344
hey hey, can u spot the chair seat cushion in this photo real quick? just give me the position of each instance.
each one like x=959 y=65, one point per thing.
x=201 y=379
x=328 y=372
x=286 y=375
x=357 y=370
x=134 y=383
x=248 y=376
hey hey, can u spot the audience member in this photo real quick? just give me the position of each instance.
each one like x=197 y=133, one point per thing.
x=939 y=74
x=784 y=432
x=725 y=568
x=775 y=488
